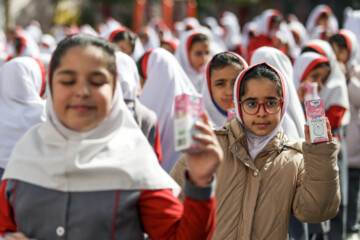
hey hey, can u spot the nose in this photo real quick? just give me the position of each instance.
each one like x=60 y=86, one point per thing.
x=229 y=90
x=83 y=89
x=262 y=112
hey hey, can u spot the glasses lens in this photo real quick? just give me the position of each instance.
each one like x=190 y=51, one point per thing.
x=250 y=107
x=272 y=106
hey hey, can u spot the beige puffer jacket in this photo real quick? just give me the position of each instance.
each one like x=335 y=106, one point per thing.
x=255 y=199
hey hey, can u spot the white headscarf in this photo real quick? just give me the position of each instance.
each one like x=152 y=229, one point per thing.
x=28 y=45
x=314 y=17
x=113 y=155
x=138 y=48
x=217 y=116
x=334 y=91
x=304 y=64
x=352 y=45
x=233 y=32
x=153 y=38
x=263 y=22
x=165 y=79
x=299 y=29
x=352 y=23
x=257 y=143
x=128 y=75
x=294 y=120
x=21 y=83
x=182 y=55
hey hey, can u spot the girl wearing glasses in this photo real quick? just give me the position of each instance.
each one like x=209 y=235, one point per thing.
x=264 y=178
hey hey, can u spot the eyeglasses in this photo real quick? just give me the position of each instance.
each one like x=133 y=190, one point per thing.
x=252 y=107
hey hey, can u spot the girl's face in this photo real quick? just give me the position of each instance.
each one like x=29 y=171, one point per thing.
x=318 y=75
x=125 y=47
x=261 y=91
x=82 y=88
x=342 y=54
x=199 y=55
x=222 y=85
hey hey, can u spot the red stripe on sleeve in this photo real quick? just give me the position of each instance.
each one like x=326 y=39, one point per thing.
x=157 y=144
x=164 y=217
x=7 y=218
x=335 y=115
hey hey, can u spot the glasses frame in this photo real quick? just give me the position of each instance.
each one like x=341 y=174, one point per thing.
x=281 y=102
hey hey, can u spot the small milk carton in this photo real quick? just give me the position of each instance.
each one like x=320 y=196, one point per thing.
x=188 y=109
x=231 y=112
x=315 y=113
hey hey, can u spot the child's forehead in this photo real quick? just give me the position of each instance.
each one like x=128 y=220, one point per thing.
x=260 y=87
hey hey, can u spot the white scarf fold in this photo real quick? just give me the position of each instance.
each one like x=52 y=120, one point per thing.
x=21 y=106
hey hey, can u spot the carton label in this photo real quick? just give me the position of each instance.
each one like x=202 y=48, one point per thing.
x=315 y=113
x=231 y=112
x=188 y=109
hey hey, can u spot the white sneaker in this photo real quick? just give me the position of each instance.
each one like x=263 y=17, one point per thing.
x=353 y=236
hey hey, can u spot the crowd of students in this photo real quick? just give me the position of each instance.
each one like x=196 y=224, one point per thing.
x=87 y=145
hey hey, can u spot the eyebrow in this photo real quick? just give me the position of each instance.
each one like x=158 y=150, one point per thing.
x=268 y=97
x=71 y=72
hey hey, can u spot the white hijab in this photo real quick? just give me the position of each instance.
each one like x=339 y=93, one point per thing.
x=21 y=107
x=233 y=31
x=352 y=23
x=182 y=55
x=304 y=64
x=138 y=48
x=311 y=22
x=165 y=79
x=257 y=143
x=128 y=75
x=113 y=155
x=294 y=120
x=334 y=91
x=264 y=20
x=217 y=116
x=352 y=44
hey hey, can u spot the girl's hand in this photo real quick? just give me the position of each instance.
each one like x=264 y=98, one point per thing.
x=307 y=132
x=301 y=91
x=17 y=236
x=203 y=163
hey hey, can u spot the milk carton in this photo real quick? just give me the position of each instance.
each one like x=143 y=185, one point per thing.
x=315 y=113
x=231 y=112
x=188 y=109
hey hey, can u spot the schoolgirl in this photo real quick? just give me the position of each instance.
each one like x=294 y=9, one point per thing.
x=264 y=178
x=127 y=42
x=88 y=172
x=193 y=54
x=22 y=83
x=217 y=91
x=128 y=77
x=345 y=47
x=294 y=121
x=162 y=80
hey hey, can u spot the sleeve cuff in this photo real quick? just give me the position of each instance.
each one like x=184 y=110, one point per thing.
x=197 y=192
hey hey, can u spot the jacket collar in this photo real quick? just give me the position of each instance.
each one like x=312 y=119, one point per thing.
x=239 y=147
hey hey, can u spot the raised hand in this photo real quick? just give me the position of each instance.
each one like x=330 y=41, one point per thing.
x=203 y=163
